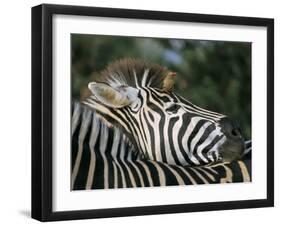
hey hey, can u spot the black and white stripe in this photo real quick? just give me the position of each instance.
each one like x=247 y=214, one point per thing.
x=161 y=125
x=103 y=157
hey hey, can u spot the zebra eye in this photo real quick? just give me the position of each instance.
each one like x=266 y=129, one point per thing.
x=173 y=108
x=152 y=106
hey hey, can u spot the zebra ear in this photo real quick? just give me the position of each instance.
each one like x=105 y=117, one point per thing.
x=114 y=97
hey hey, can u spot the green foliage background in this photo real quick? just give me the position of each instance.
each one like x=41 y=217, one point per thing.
x=214 y=75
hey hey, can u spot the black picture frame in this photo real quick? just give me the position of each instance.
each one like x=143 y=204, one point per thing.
x=42 y=108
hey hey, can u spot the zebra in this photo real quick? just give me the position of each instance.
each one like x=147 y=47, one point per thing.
x=103 y=157
x=138 y=97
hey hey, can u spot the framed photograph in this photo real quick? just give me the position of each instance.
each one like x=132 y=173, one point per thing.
x=146 y=112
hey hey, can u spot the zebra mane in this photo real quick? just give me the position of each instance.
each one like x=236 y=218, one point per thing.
x=134 y=73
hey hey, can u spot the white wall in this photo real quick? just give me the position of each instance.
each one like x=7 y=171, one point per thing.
x=15 y=90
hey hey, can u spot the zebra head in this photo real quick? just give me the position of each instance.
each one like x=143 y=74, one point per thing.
x=163 y=126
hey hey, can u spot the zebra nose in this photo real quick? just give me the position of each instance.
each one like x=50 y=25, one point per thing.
x=231 y=128
x=233 y=147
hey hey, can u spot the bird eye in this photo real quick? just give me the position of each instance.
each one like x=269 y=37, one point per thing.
x=173 y=108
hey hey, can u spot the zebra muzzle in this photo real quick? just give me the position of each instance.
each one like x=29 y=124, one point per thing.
x=233 y=147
